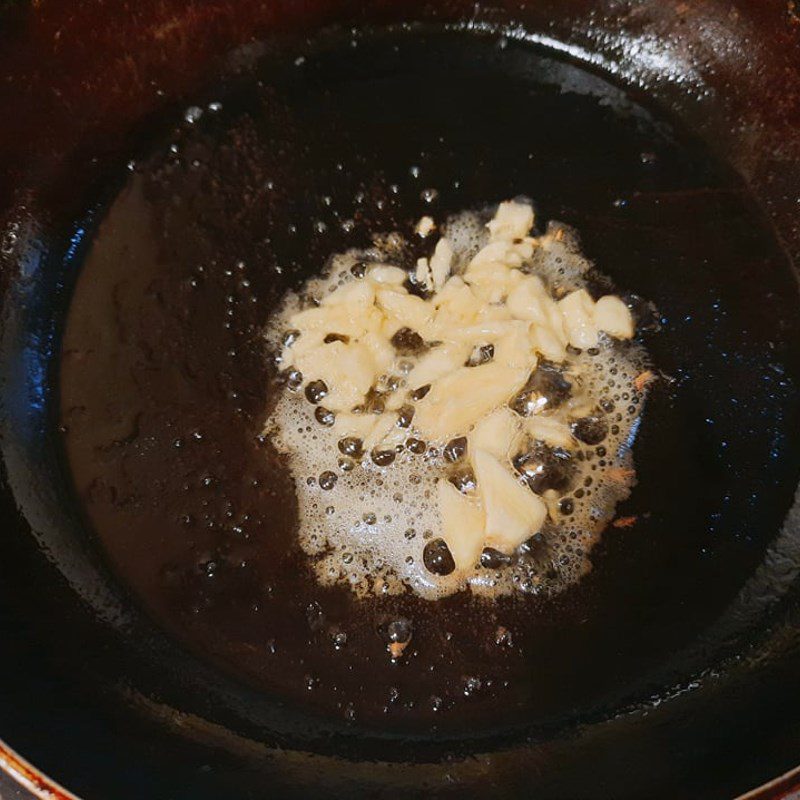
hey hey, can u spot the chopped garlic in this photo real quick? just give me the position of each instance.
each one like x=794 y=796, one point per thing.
x=383 y=425
x=577 y=310
x=515 y=349
x=384 y=273
x=462 y=525
x=358 y=426
x=458 y=400
x=513 y=512
x=526 y=300
x=453 y=365
x=614 y=317
x=456 y=306
x=550 y=431
x=497 y=434
x=407 y=309
x=425 y=226
x=491 y=281
x=381 y=350
x=394 y=437
x=437 y=363
x=348 y=371
x=485 y=331
x=440 y=263
x=548 y=344
x=491 y=255
x=423 y=273
x=512 y=221
x=356 y=295
x=347 y=320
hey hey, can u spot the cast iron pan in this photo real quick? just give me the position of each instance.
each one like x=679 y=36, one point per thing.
x=666 y=133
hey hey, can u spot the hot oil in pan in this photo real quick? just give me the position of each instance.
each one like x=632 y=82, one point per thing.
x=165 y=383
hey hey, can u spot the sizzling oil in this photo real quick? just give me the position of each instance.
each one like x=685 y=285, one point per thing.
x=163 y=375
x=369 y=525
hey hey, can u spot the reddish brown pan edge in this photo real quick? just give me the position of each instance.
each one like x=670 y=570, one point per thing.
x=782 y=788
x=27 y=776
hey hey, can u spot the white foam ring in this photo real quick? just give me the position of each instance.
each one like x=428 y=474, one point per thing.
x=370 y=530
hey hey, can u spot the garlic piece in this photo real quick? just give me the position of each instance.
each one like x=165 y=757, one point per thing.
x=496 y=434
x=423 y=273
x=577 y=311
x=491 y=280
x=440 y=263
x=437 y=363
x=383 y=426
x=550 y=431
x=358 y=426
x=483 y=332
x=352 y=320
x=381 y=350
x=490 y=255
x=549 y=345
x=514 y=349
x=356 y=294
x=348 y=370
x=513 y=512
x=458 y=400
x=385 y=273
x=407 y=310
x=456 y=306
x=550 y=338
x=614 y=317
x=425 y=226
x=526 y=300
x=511 y=221
x=462 y=525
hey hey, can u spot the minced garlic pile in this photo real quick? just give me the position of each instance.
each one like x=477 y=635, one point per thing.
x=474 y=361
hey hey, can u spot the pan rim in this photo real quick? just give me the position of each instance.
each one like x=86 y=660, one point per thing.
x=30 y=777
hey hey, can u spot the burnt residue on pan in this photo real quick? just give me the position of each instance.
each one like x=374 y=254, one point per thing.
x=165 y=382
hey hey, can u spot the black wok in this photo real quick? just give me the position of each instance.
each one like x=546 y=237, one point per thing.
x=667 y=133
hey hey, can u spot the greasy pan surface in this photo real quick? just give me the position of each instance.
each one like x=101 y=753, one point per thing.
x=679 y=679
x=164 y=382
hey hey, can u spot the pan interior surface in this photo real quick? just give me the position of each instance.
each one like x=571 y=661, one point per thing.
x=163 y=382
x=164 y=375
